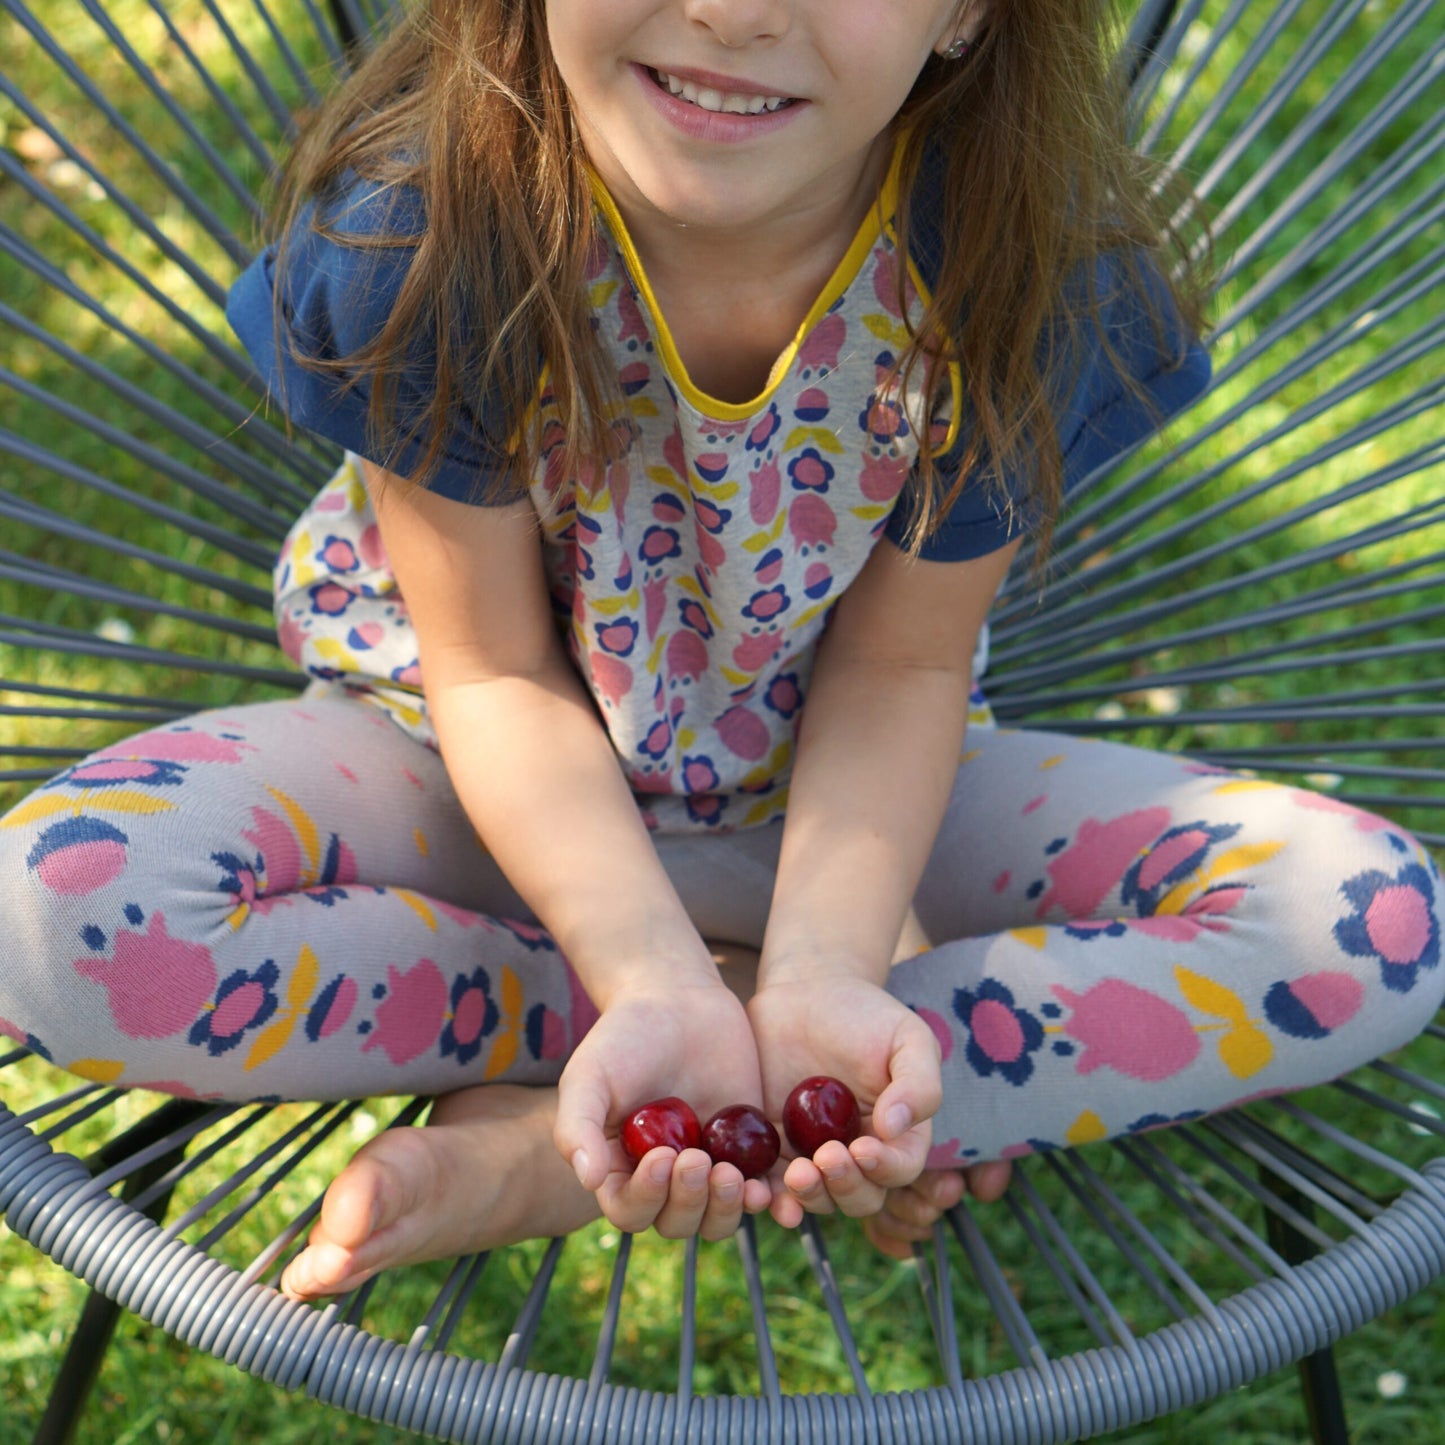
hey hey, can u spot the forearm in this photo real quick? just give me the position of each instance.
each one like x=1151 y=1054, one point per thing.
x=877 y=757
x=539 y=780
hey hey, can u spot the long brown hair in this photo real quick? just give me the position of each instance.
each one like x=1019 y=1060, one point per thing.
x=463 y=103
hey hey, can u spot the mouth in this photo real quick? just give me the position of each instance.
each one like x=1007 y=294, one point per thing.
x=719 y=102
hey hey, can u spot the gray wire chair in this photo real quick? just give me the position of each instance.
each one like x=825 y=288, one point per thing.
x=1261 y=589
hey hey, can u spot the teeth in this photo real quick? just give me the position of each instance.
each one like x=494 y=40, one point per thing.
x=717 y=100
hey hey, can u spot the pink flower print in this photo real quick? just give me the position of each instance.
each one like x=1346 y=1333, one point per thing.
x=818 y=354
x=950 y=1154
x=744 y=734
x=809 y=471
x=1393 y=921
x=366 y=636
x=337 y=554
x=811 y=521
x=1320 y=803
x=1314 y=1006
x=290 y=635
x=1001 y=1037
x=886 y=272
x=763 y=432
x=764 y=488
x=784 y=696
x=78 y=855
x=660 y=543
x=882 y=477
x=694 y=616
x=408 y=674
x=180 y=745
x=658 y=739
x=706 y=808
x=1177 y=855
x=754 y=652
x=409 y=1018
x=770 y=567
x=546 y=1033
x=698 y=774
x=812 y=405
x=331 y=1009
x=817 y=580
x=765 y=605
x=629 y=312
x=121 y=773
x=941 y=1032
x=623 y=580
x=530 y=935
x=157 y=984
x=883 y=419
x=1085 y=874
x=1129 y=1029
x=369 y=545
x=611 y=677
x=330 y=599
x=686 y=655
x=618 y=638
x=711 y=517
x=668 y=509
x=712 y=467
x=654 y=603
x=279 y=851
x=244 y=1001
x=474 y=1015
x=633 y=377
x=711 y=551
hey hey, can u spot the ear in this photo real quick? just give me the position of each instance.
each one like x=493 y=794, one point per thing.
x=966 y=26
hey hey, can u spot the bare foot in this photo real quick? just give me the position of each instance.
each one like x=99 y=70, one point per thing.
x=483 y=1173
x=908 y=1214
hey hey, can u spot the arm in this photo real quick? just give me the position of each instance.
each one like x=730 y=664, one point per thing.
x=877 y=757
x=537 y=775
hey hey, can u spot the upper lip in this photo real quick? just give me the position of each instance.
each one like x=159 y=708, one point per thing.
x=724 y=84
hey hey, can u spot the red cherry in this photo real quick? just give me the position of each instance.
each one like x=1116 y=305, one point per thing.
x=742 y=1135
x=666 y=1122
x=818 y=1110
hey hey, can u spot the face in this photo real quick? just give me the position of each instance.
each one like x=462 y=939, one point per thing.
x=733 y=114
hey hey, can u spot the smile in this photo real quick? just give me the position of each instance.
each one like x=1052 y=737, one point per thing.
x=717 y=101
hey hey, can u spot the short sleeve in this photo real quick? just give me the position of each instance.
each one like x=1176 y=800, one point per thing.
x=335 y=298
x=1118 y=395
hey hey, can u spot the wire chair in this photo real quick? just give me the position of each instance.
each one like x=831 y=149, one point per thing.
x=1262 y=589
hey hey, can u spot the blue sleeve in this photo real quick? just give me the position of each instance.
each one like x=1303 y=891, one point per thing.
x=335 y=298
x=1099 y=416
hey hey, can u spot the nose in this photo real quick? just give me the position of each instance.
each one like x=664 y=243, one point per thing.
x=735 y=23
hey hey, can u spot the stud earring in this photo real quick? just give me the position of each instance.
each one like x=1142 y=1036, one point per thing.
x=957 y=50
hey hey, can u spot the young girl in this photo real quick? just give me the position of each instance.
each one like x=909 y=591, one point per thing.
x=701 y=365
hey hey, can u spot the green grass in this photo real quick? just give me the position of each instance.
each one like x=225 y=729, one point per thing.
x=152 y=1389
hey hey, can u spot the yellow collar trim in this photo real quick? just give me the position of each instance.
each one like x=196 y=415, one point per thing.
x=875 y=225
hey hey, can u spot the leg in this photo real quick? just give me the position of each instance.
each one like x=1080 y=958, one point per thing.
x=281 y=901
x=1137 y=939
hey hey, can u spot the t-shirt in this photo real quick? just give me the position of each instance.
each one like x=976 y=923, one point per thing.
x=694 y=572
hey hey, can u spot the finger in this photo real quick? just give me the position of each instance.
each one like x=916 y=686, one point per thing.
x=850 y=1189
x=583 y=1101
x=896 y=1163
x=805 y=1183
x=987 y=1182
x=682 y=1211
x=632 y=1199
x=757 y=1195
x=726 y=1192
x=915 y=1084
x=922 y=1203
x=884 y=1240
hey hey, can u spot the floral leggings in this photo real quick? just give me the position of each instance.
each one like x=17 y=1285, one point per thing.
x=285 y=900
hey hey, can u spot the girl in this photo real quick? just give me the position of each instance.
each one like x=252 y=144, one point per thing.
x=701 y=366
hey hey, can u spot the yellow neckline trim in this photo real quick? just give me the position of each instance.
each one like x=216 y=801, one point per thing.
x=875 y=225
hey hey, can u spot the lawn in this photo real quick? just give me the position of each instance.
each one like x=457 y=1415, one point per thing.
x=132 y=471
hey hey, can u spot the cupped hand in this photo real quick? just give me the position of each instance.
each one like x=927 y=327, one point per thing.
x=690 y=1039
x=855 y=1031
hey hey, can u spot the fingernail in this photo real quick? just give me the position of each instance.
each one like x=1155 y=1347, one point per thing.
x=868 y=1163
x=695 y=1175
x=661 y=1171
x=836 y=1172
x=900 y=1116
x=728 y=1193
x=579 y=1163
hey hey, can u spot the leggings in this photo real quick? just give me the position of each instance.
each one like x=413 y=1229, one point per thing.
x=286 y=901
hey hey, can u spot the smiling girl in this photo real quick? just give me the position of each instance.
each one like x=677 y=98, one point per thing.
x=702 y=366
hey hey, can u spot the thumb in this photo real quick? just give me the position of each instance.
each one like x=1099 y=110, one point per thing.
x=915 y=1084
x=583 y=1102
